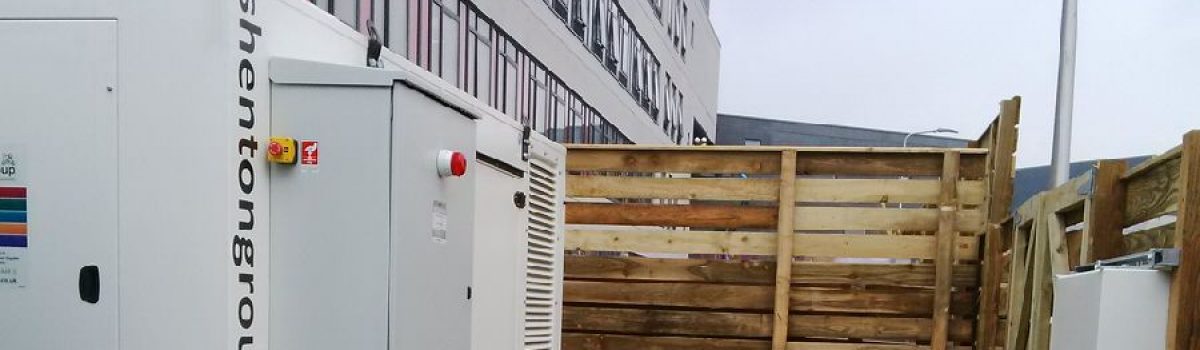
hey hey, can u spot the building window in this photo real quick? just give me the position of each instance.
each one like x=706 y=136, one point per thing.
x=443 y=39
x=578 y=20
x=454 y=40
x=560 y=9
x=657 y=6
x=610 y=39
x=596 y=36
x=506 y=82
x=538 y=101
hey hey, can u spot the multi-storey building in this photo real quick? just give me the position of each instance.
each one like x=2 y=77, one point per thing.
x=581 y=71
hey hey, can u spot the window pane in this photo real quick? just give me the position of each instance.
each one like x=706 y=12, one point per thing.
x=347 y=11
x=483 y=55
x=539 y=100
x=379 y=17
x=434 y=46
x=449 y=44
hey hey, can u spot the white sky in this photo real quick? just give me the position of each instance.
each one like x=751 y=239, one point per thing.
x=911 y=65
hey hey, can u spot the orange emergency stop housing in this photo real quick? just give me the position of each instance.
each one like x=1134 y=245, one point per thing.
x=282 y=150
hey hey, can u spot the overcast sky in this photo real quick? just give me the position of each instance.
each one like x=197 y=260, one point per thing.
x=912 y=65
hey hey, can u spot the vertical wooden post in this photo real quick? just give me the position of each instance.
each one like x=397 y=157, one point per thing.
x=1000 y=190
x=1018 y=291
x=783 y=256
x=1106 y=212
x=946 y=237
x=1041 y=279
x=1183 y=316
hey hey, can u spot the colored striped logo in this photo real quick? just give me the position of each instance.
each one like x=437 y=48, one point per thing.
x=14 y=217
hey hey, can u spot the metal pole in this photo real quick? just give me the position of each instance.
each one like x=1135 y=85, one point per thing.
x=905 y=144
x=1060 y=161
x=934 y=131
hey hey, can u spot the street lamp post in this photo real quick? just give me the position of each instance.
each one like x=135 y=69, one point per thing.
x=934 y=131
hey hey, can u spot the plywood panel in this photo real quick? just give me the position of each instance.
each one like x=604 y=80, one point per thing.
x=1153 y=192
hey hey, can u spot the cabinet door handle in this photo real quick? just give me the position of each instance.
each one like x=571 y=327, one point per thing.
x=89 y=284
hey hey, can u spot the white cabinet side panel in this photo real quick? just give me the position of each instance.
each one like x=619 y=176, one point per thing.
x=330 y=220
x=433 y=221
x=58 y=121
x=499 y=261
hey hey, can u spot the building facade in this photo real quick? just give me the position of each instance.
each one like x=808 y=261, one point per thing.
x=578 y=71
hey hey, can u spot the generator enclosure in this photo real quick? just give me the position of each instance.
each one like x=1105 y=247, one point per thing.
x=371 y=244
x=138 y=209
x=518 y=265
x=1111 y=308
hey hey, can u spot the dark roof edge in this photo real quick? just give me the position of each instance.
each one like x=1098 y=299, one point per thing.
x=719 y=115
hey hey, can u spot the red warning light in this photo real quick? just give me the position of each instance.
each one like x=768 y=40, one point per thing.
x=451 y=163
x=458 y=164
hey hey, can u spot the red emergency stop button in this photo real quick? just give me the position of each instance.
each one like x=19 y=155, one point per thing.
x=281 y=150
x=451 y=163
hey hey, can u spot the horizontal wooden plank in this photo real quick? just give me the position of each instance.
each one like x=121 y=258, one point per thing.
x=1158 y=237
x=809 y=162
x=908 y=302
x=742 y=217
x=1153 y=192
x=847 y=218
x=640 y=187
x=970 y=192
x=739 y=148
x=759 y=243
x=972 y=166
x=678 y=161
x=1173 y=154
x=761 y=272
x=580 y=341
x=728 y=324
x=707 y=216
x=879 y=246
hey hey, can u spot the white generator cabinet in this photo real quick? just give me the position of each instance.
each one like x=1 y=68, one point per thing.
x=371 y=244
x=519 y=239
x=138 y=210
x=1111 y=308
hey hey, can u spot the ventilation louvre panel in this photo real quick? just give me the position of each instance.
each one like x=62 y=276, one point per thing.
x=540 y=255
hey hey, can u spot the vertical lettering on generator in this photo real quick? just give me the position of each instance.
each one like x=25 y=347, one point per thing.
x=248 y=37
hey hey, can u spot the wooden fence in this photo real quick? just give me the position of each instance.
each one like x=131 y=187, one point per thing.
x=784 y=247
x=1108 y=212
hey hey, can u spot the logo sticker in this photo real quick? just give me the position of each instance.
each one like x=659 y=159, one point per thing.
x=310 y=154
x=8 y=166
